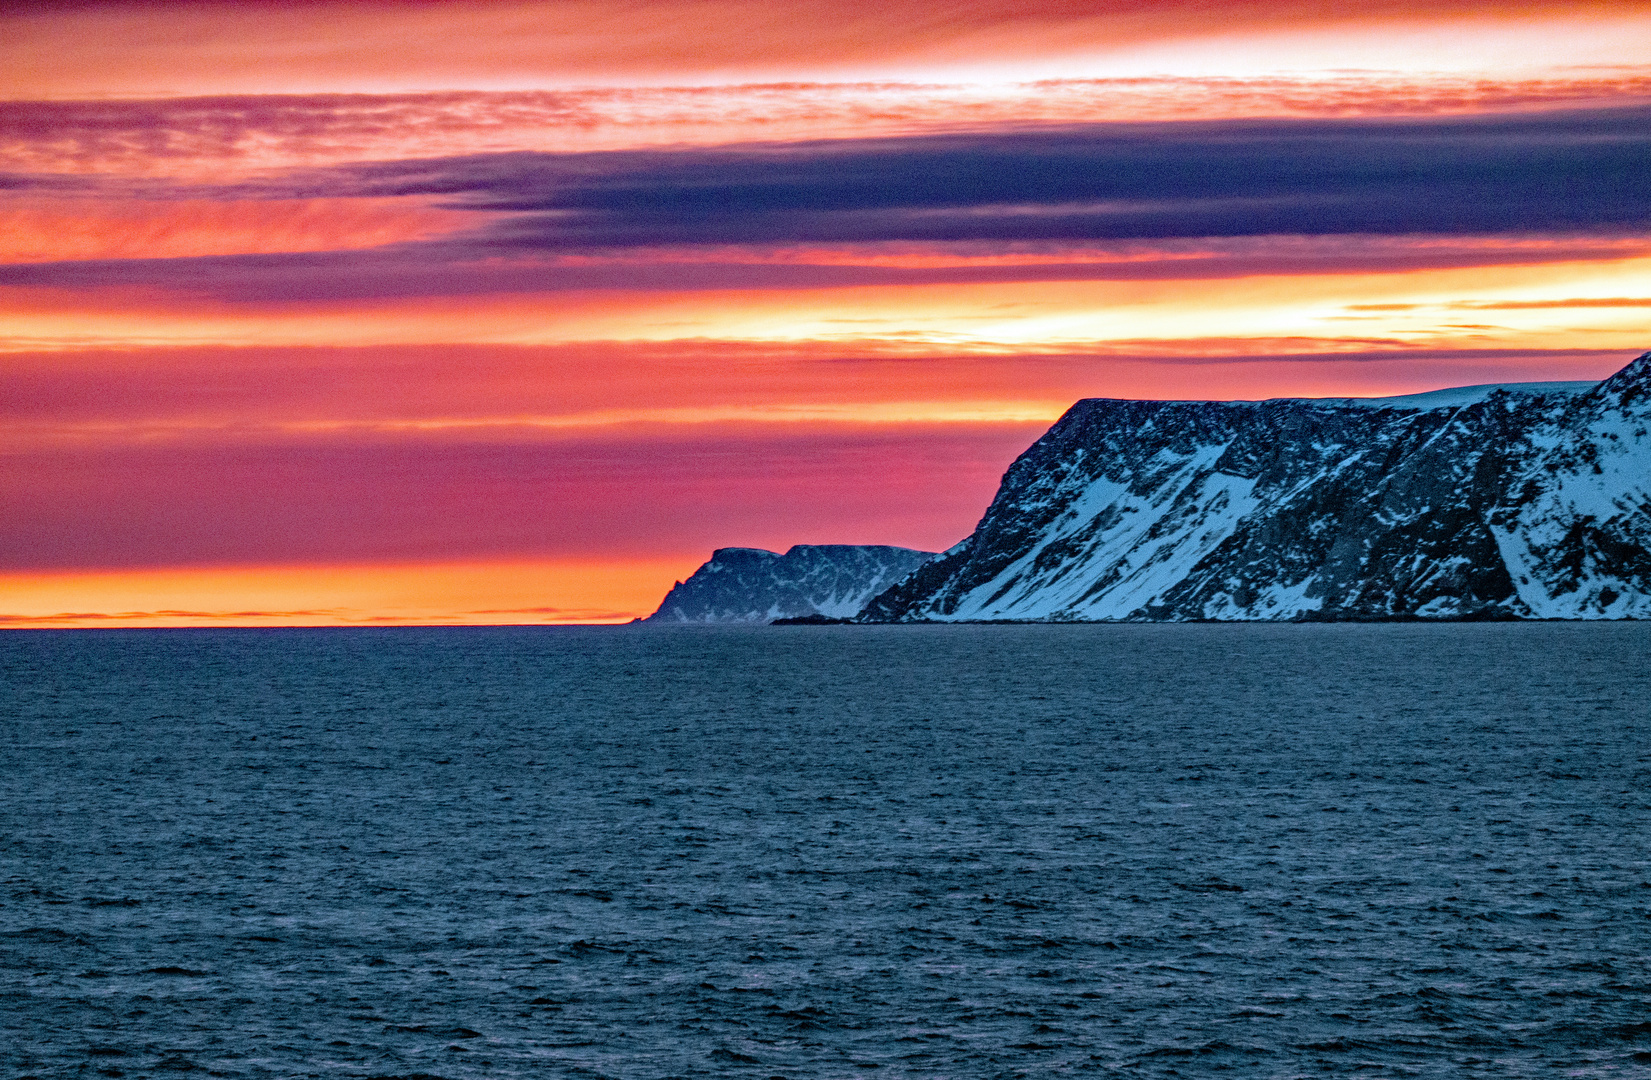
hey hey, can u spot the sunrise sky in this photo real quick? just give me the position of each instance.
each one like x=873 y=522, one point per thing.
x=377 y=313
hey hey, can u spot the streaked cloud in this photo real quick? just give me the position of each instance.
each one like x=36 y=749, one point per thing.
x=199 y=138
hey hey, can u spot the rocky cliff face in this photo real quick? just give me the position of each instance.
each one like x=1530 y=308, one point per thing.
x=750 y=585
x=1526 y=501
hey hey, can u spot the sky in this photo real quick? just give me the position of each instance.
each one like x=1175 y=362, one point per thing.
x=373 y=313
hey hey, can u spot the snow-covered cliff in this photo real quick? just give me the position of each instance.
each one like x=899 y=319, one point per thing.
x=750 y=585
x=1522 y=501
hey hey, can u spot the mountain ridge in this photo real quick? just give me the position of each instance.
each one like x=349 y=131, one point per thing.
x=755 y=585
x=1515 y=501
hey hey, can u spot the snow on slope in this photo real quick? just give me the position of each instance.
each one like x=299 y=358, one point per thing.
x=751 y=585
x=1150 y=536
x=1505 y=501
x=1576 y=540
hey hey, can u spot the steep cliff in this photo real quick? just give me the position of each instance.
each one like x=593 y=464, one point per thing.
x=1523 y=501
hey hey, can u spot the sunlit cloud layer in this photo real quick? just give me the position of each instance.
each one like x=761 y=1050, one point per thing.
x=161 y=50
x=290 y=293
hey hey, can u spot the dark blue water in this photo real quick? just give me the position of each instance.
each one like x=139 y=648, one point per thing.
x=827 y=852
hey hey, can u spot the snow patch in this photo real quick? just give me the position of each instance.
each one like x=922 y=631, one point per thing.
x=1458 y=396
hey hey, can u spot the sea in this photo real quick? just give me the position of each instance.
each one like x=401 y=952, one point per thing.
x=836 y=851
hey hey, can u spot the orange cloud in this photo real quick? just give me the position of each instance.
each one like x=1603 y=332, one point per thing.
x=36 y=229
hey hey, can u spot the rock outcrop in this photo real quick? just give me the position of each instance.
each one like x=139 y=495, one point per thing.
x=750 y=585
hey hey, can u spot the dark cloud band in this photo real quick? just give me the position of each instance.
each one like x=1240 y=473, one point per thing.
x=1560 y=171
